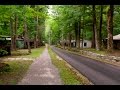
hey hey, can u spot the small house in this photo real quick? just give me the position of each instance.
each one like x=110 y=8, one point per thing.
x=86 y=43
x=116 y=42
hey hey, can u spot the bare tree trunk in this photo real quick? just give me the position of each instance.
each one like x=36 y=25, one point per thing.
x=15 y=30
x=95 y=28
x=83 y=30
x=37 y=32
x=26 y=36
x=11 y=30
x=78 y=34
x=100 y=30
x=39 y=35
x=93 y=36
x=69 y=40
x=110 y=28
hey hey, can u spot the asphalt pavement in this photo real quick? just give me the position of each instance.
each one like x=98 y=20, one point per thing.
x=99 y=73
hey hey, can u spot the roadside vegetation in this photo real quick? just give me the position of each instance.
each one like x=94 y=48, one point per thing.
x=67 y=74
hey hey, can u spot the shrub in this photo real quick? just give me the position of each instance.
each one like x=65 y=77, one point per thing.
x=4 y=67
x=3 y=52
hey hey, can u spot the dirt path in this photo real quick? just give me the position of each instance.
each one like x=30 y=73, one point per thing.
x=42 y=72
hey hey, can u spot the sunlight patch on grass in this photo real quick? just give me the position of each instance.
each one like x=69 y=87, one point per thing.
x=35 y=52
x=24 y=52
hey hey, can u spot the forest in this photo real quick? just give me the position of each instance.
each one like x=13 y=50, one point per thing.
x=59 y=44
x=22 y=23
x=60 y=24
x=97 y=23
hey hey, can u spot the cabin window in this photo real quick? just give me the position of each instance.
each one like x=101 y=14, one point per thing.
x=85 y=44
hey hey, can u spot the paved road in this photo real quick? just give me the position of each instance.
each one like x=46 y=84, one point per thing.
x=42 y=72
x=97 y=72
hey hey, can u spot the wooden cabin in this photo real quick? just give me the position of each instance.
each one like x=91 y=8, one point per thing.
x=116 y=42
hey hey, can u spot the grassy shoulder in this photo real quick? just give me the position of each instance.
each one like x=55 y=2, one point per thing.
x=17 y=71
x=67 y=74
x=24 y=52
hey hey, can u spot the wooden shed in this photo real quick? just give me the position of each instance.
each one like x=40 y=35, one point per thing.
x=116 y=42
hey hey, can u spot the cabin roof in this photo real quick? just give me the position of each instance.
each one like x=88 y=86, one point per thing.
x=116 y=37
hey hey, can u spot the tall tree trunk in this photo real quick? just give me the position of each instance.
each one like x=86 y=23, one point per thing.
x=37 y=31
x=15 y=30
x=82 y=32
x=100 y=30
x=93 y=36
x=110 y=28
x=78 y=34
x=36 y=34
x=35 y=41
x=11 y=30
x=75 y=34
x=26 y=36
x=95 y=28
x=39 y=35
x=69 y=40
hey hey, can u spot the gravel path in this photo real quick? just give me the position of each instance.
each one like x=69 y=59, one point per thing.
x=42 y=72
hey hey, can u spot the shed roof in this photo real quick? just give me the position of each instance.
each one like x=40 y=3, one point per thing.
x=116 y=37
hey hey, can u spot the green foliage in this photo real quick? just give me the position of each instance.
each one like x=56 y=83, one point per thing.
x=22 y=11
x=3 y=52
x=4 y=67
x=63 y=17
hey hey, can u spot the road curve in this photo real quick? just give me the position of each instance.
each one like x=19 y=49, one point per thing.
x=97 y=72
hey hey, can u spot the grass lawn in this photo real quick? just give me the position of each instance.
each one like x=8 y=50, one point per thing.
x=36 y=52
x=24 y=52
x=68 y=76
x=16 y=73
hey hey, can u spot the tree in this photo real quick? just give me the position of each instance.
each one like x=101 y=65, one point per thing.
x=100 y=28
x=110 y=28
x=95 y=29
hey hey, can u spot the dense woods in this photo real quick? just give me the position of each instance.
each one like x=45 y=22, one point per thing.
x=97 y=23
x=67 y=25
x=23 y=23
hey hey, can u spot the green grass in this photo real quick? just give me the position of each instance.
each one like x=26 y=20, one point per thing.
x=17 y=71
x=24 y=52
x=36 y=52
x=67 y=75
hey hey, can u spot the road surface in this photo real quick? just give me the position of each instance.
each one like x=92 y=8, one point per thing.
x=97 y=72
